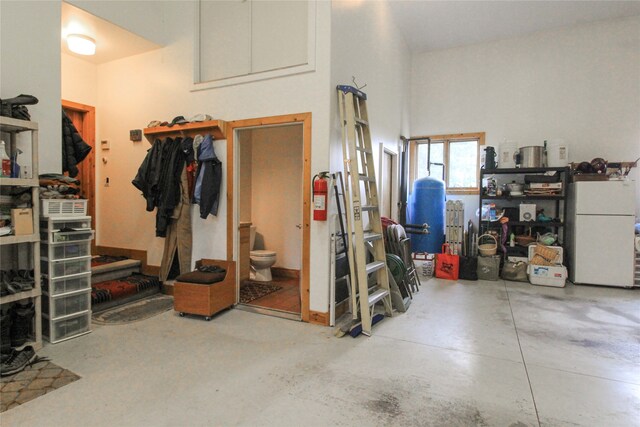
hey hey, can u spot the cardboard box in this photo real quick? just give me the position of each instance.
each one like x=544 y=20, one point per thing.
x=22 y=221
x=527 y=212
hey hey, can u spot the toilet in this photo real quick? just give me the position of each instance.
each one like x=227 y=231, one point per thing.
x=261 y=260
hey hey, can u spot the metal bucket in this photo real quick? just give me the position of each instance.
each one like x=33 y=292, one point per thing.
x=531 y=156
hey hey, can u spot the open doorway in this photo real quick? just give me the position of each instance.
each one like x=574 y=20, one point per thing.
x=83 y=118
x=270 y=232
x=388 y=182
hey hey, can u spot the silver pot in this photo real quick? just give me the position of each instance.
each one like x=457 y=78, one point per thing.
x=530 y=157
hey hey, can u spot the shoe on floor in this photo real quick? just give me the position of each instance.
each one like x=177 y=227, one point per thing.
x=18 y=361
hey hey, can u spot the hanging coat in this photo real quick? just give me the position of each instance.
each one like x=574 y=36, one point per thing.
x=209 y=179
x=74 y=149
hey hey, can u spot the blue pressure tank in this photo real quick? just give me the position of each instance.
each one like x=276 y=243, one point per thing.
x=427 y=205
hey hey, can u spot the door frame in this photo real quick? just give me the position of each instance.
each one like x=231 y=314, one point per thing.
x=88 y=132
x=394 y=183
x=232 y=218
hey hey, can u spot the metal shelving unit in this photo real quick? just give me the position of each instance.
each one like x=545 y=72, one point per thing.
x=13 y=127
x=559 y=202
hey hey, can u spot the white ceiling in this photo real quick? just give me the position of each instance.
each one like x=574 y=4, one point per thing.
x=433 y=25
x=112 y=42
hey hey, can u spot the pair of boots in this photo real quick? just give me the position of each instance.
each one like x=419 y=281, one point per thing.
x=15 y=107
x=16 y=326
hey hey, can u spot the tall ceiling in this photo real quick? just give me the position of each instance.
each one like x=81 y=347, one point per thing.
x=433 y=25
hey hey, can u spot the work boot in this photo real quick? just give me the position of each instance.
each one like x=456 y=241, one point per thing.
x=5 y=333
x=21 y=323
x=21 y=100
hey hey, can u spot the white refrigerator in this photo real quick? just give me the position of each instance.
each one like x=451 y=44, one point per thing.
x=600 y=228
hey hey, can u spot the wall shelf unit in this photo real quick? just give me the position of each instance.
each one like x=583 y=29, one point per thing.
x=217 y=129
x=13 y=127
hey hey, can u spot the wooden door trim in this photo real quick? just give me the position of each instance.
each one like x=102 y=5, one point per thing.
x=89 y=135
x=305 y=119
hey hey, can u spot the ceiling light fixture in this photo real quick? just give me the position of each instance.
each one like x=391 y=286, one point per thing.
x=80 y=44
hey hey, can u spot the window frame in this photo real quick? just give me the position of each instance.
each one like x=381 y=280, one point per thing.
x=447 y=139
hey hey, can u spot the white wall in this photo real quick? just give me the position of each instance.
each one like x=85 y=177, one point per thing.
x=30 y=52
x=276 y=194
x=581 y=84
x=365 y=43
x=79 y=80
x=157 y=85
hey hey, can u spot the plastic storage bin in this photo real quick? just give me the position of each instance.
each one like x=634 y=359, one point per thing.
x=547 y=275
x=65 y=285
x=66 y=267
x=53 y=223
x=67 y=327
x=66 y=236
x=58 y=251
x=65 y=305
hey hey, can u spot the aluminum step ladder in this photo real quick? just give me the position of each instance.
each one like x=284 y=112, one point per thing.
x=361 y=203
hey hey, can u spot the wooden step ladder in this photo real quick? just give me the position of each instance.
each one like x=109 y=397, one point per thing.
x=361 y=202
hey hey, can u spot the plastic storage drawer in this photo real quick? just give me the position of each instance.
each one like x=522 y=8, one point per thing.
x=58 y=251
x=66 y=236
x=67 y=327
x=51 y=224
x=65 y=285
x=65 y=208
x=65 y=305
x=66 y=267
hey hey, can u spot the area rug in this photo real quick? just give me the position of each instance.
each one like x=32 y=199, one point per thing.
x=122 y=288
x=135 y=311
x=251 y=290
x=34 y=381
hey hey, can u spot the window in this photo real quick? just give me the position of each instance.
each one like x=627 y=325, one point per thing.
x=453 y=158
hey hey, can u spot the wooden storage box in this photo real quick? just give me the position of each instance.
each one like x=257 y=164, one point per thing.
x=206 y=299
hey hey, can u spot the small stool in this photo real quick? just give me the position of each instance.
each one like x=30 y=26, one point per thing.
x=205 y=293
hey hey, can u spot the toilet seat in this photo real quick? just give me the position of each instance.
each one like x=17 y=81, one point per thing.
x=262 y=254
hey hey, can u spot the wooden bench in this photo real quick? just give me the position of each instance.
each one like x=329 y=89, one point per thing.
x=209 y=298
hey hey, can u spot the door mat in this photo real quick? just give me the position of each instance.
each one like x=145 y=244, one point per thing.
x=135 y=311
x=34 y=381
x=251 y=290
x=122 y=288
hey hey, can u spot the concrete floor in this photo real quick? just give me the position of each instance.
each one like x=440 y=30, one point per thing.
x=469 y=353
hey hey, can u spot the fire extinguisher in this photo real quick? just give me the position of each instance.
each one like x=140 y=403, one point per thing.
x=320 y=193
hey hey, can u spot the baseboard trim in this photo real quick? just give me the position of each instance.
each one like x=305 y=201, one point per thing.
x=318 y=318
x=285 y=272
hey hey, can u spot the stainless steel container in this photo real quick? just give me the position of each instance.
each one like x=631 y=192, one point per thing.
x=531 y=156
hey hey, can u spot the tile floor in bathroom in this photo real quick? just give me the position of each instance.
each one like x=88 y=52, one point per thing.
x=464 y=354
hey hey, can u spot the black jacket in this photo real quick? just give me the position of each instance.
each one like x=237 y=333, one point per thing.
x=159 y=180
x=74 y=149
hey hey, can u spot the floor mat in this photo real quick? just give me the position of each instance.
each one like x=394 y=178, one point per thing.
x=121 y=288
x=34 y=381
x=251 y=290
x=135 y=311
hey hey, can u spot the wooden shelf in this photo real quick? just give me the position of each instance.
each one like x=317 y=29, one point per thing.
x=20 y=182
x=20 y=296
x=217 y=129
x=500 y=171
x=12 y=240
x=520 y=198
x=527 y=223
x=15 y=125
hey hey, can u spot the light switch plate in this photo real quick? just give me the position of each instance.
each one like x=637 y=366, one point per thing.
x=104 y=144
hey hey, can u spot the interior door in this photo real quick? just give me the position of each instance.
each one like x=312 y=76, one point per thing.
x=387 y=181
x=83 y=118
